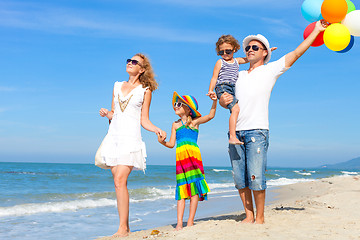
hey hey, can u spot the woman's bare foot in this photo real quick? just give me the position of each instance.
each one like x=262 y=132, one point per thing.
x=122 y=232
x=234 y=140
x=179 y=227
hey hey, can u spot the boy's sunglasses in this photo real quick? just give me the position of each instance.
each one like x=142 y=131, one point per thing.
x=254 y=47
x=178 y=104
x=227 y=51
x=133 y=62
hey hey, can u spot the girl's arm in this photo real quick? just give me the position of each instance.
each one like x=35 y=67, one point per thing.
x=204 y=119
x=171 y=142
x=213 y=80
x=106 y=113
x=145 y=121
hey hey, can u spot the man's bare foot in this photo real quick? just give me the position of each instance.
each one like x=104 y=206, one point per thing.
x=248 y=220
x=233 y=140
x=259 y=220
x=178 y=227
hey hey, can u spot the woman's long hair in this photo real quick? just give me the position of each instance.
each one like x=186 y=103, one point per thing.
x=147 y=78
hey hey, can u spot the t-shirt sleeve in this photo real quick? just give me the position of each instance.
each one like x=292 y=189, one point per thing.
x=277 y=68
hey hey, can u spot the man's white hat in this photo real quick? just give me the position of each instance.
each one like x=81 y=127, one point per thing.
x=259 y=38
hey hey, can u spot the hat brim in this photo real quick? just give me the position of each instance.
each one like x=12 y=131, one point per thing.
x=176 y=97
x=266 y=44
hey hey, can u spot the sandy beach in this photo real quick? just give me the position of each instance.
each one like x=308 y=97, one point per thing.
x=322 y=209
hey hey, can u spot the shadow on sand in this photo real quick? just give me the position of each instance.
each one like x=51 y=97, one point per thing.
x=237 y=218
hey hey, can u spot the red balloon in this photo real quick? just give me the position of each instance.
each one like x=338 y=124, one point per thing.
x=319 y=40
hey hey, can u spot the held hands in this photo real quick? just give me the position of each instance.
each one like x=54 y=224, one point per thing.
x=161 y=139
x=212 y=95
x=160 y=134
x=103 y=112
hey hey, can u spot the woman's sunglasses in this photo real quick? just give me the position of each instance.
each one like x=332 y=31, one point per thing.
x=133 y=62
x=227 y=51
x=254 y=47
x=178 y=104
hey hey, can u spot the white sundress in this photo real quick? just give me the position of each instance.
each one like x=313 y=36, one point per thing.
x=123 y=144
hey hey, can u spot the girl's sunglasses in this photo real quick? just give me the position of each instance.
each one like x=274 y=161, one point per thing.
x=178 y=104
x=133 y=62
x=254 y=47
x=227 y=51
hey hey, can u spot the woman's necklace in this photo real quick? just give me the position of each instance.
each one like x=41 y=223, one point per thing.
x=123 y=104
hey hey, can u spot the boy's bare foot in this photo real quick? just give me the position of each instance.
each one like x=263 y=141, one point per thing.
x=178 y=227
x=233 y=140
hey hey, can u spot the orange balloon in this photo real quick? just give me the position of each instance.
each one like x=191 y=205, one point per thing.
x=334 y=11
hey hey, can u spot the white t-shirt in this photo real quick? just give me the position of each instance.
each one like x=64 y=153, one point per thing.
x=253 y=91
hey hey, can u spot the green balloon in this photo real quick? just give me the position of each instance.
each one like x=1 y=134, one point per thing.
x=351 y=6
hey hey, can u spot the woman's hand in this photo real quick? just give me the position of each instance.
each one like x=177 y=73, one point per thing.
x=160 y=133
x=161 y=139
x=103 y=112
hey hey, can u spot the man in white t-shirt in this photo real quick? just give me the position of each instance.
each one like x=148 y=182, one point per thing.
x=253 y=89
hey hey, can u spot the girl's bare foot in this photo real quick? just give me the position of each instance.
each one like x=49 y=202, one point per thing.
x=178 y=227
x=234 y=140
x=248 y=220
x=190 y=224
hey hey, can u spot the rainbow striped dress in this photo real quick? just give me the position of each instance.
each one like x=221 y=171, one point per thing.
x=190 y=177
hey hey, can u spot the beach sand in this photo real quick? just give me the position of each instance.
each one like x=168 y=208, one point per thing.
x=321 y=209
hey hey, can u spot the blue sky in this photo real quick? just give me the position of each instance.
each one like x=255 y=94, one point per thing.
x=59 y=60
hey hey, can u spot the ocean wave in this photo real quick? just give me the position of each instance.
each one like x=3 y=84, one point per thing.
x=220 y=185
x=303 y=173
x=349 y=173
x=53 y=207
x=286 y=181
x=220 y=170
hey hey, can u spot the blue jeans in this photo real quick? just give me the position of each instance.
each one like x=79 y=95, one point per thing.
x=249 y=160
x=229 y=88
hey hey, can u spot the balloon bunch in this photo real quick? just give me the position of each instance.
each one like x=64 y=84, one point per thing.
x=344 y=22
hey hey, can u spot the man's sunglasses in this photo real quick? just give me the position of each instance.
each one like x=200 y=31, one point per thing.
x=254 y=47
x=178 y=104
x=227 y=51
x=133 y=62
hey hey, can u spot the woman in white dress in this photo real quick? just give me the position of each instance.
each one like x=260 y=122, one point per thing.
x=123 y=149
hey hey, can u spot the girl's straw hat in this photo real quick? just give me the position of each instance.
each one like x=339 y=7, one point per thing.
x=190 y=101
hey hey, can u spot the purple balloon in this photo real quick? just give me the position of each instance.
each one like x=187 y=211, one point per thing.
x=351 y=44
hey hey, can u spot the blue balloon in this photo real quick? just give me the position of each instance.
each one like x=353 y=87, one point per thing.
x=311 y=10
x=351 y=44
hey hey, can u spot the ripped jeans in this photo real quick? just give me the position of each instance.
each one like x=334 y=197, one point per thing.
x=249 y=160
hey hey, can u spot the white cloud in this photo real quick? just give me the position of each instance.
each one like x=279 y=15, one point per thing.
x=80 y=22
x=6 y=89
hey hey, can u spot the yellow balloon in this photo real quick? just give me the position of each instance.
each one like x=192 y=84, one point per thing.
x=337 y=37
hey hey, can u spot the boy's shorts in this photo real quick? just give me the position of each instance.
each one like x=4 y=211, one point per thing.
x=229 y=88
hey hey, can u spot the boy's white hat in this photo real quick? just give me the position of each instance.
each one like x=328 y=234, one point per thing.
x=259 y=38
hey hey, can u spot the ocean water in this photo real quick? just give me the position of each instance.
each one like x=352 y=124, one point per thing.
x=77 y=201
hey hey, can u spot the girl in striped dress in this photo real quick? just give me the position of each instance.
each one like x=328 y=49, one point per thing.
x=190 y=176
